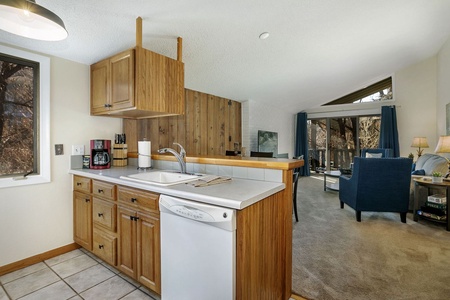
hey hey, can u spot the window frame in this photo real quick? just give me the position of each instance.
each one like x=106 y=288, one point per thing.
x=43 y=116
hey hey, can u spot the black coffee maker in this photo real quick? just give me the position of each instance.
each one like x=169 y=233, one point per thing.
x=100 y=154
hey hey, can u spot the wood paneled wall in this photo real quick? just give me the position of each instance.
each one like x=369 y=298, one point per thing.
x=210 y=126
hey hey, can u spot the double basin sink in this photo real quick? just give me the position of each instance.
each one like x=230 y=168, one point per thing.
x=161 y=178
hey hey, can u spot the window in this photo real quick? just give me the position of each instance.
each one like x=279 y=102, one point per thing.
x=19 y=100
x=333 y=142
x=379 y=91
x=24 y=118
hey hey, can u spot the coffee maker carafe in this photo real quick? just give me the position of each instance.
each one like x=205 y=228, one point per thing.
x=100 y=154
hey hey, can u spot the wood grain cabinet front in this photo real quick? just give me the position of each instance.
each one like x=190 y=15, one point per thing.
x=104 y=190
x=138 y=229
x=105 y=246
x=144 y=200
x=82 y=219
x=137 y=83
x=82 y=184
x=104 y=214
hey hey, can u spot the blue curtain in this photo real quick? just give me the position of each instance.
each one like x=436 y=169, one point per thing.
x=388 y=130
x=301 y=142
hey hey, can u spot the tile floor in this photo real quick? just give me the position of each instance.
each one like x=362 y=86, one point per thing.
x=74 y=275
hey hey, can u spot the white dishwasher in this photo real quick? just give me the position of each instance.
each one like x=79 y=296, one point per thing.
x=198 y=250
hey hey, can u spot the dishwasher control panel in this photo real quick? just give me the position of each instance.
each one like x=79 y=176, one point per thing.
x=191 y=213
x=218 y=216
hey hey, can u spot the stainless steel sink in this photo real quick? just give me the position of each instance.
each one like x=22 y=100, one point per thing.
x=162 y=178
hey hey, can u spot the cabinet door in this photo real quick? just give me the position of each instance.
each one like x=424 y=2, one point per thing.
x=82 y=220
x=148 y=251
x=122 y=80
x=100 y=87
x=126 y=252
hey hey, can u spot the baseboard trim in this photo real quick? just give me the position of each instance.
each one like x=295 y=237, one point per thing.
x=296 y=297
x=37 y=258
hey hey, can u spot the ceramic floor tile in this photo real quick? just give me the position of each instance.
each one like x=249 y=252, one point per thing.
x=137 y=295
x=3 y=295
x=86 y=279
x=112 y=289
x=56 y=291
x=111 y=268
x=74 y=265
x=76 y=298
x=30 y=283
x=149 y=292
x=22 y=272
x=130 y=280
x=63 y=257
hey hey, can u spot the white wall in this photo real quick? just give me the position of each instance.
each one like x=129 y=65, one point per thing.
x=415 y=93
x=443 y=93
x=35 y=219
x=269 y=118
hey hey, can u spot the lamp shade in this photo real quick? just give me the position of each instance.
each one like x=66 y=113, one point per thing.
x=28 y=19
x=443 y=145
x=420 y=142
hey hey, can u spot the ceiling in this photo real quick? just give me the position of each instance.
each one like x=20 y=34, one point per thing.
x=317 y=51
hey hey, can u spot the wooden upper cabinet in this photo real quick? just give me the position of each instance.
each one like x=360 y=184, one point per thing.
x=137 y=83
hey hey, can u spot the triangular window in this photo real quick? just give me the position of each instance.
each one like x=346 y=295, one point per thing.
x=379 y=91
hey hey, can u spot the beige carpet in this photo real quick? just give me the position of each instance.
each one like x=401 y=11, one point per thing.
x=335 y=257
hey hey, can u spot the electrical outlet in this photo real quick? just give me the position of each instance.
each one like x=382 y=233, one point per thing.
x=59 y=149
x=77 y=149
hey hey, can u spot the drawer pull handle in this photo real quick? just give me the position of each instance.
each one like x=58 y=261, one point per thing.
x=100 y=214
x=79 y=183
x=88 y=200
x=133 y=200
x=100 y=191
x=100 y=246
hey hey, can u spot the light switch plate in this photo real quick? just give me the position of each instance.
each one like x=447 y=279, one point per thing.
x=59 y=149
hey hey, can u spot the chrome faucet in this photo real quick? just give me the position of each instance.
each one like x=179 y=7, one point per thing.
x=180 y=156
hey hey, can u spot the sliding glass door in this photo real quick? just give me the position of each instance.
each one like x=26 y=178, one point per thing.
x=333 y=142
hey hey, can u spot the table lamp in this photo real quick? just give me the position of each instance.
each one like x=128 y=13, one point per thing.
x=443 y=146
x=419 y=142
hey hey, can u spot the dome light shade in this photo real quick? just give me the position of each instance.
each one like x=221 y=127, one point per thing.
x=28 y=19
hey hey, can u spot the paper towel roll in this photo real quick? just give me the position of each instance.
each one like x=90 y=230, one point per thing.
x=144 y=154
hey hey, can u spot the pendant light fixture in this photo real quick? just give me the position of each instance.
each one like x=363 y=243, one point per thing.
x=28 y=19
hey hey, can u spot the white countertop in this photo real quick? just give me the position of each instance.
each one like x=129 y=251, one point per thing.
x=237 y=193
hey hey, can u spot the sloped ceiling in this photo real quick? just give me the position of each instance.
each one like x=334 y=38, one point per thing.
x=317 y=51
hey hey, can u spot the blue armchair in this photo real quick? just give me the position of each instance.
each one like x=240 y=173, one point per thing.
x=385 y=152
x=380 y=185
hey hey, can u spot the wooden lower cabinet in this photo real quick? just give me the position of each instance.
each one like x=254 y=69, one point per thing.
x=82 y=219
x=139 y=246
x=125 y=235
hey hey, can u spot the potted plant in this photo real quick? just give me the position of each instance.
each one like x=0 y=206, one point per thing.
x=436 y=177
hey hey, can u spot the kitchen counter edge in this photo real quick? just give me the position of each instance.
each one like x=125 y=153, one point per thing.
x=236 y=194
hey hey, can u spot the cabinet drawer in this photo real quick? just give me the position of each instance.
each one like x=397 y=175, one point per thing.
x=105 y=246
x=81 y=184
x=104 y=214
x=144 y=200
x=104 y=190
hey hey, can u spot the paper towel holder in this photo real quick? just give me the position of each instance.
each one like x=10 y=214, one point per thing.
x=144 y=155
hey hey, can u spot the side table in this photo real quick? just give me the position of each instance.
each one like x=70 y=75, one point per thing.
x=427 y=183
x=331 y=186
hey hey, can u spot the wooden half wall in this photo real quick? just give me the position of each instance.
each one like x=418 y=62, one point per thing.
x=210 y=126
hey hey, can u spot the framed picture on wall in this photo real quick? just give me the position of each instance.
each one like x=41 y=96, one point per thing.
x=447 y=118
x=268 y=142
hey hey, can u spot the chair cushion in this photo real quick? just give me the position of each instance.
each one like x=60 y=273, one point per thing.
x=374 y=155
